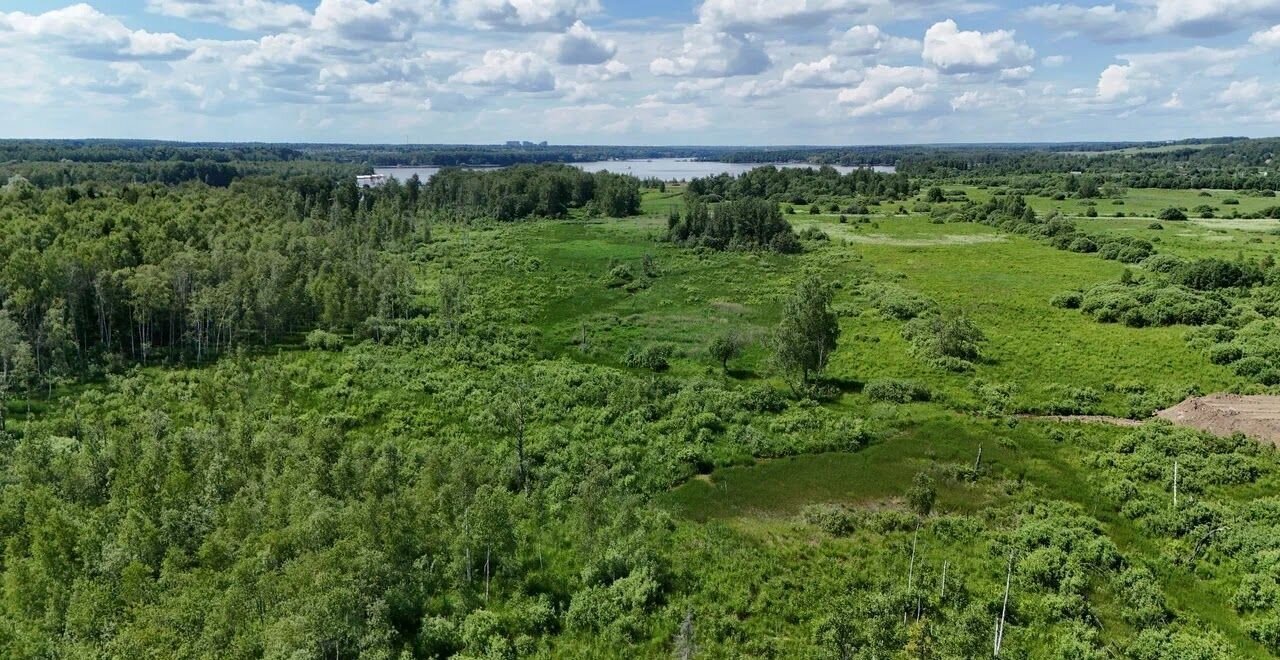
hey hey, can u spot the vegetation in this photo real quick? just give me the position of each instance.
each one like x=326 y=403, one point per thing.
x=535 y=412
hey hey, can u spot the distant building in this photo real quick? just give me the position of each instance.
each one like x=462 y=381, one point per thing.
x=371 y=180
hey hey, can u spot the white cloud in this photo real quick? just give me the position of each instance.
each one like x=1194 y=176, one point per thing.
x=581 y=45
x=871 y=40
x=1174 y=102
x=607 y=72
x=1143 y=19
x=755 y=89
x=1103 y=23
x=708 y=53
x=87 y=33
x=951 y=50
x=521 y=72
x=1056 y=60
x=1241 y=92
x=1267 y=38
x=1114 y=82
x=1017 y=74
x=524 y=14
x=890 y=90
x=249 y=15
x=379 y=21
x=826 y=72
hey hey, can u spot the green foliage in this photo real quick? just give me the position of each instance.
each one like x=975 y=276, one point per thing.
x=923 y=494
x=896 y=391
x=726 y=347
x=897 y=302
x=952 y=343
x=654 y=357
x=807 y=333
x=746 y=224
x=1172 y=215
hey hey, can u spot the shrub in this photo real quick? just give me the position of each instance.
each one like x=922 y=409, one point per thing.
x=654 y=357
x=897 y=302
x=1067 y=300
x=1155 y=225
x=323 y=340
x=896 y=391
x=1172 y=214
x=923 y=494
x=951 y=343
x=830 y=518
x=813 y=234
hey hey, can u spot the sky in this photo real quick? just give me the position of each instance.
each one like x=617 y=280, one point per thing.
x=705 y=72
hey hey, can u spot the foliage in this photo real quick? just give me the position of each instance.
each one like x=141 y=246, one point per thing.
x=807 y=333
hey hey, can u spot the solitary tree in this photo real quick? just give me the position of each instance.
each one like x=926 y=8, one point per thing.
x=923 y=494
x=726 y=347
x=807 y=334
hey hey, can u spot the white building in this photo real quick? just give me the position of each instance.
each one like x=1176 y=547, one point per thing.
x=371 y=180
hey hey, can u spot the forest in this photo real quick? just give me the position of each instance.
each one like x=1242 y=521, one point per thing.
x=250 y=409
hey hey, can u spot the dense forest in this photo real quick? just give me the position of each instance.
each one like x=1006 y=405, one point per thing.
x=94 y=274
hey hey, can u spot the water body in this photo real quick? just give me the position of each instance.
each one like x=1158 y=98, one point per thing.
x=667 y=169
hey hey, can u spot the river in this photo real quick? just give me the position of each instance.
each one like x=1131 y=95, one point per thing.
x=667 y=169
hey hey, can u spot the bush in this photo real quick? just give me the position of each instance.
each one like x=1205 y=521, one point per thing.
x=1172 y=214
x=323 y=340
x=896 y=391
x=830 y=518
x=952 y=344
x=813 y=234
x=897 y=302
x=1067 y=300
x=1155 y=225
x=654 y=357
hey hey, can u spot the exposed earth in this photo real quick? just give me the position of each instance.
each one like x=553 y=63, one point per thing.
x=1257 y=416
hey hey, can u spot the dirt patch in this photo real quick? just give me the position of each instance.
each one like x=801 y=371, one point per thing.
x=1257 y=416
x=1087 y=419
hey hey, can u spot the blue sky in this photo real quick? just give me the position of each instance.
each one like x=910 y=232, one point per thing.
x=657 y=72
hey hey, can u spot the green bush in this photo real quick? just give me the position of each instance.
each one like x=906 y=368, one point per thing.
x=1067 y=300
x=323 y=340
x=896 y=391
x=654 y=357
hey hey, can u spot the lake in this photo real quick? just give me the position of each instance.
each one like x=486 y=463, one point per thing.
x=667 y=169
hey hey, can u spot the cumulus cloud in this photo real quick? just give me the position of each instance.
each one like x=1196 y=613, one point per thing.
x=382 y=20
x=1267 y=38
x=524 y=14
x=248 y=15
x=1241 y=92
x=581 y=45
x=1114 y=82
x=607 y=72
x=951 y=50
x=709 y=53
x=890 y=90
x=516 y=71
x=871 y=40
x=1103 y=23
x=87 y=33
x=1149 y=18
x=826 y=72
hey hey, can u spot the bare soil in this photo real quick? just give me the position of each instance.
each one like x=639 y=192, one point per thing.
x=1257 y=416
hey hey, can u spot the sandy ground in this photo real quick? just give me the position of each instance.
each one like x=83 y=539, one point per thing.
x=1256 y=416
